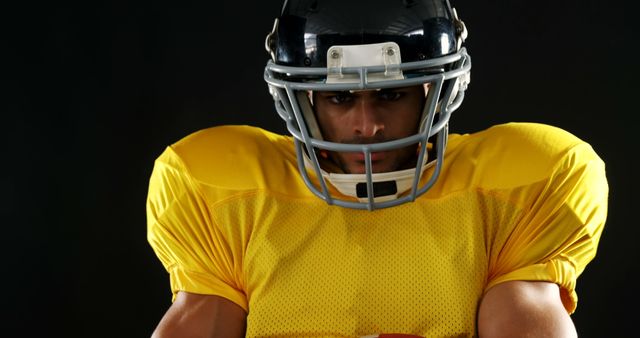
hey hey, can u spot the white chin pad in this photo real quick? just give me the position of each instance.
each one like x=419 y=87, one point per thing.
x=353 y=184
x=385 y=54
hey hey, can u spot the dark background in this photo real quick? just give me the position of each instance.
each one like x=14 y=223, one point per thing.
x=93 y=92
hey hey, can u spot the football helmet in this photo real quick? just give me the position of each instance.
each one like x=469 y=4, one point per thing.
x=336 y=45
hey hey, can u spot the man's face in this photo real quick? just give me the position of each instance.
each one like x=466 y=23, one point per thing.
x=370 y=116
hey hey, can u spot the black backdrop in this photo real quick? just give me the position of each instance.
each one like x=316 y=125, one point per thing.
x=93 y=92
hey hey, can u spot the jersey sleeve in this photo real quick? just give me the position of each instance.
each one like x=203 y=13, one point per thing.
x=558 y=234
x=182 y=232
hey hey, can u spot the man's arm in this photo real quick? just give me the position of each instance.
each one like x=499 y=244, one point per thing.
x=524 y=309
x=199 y=316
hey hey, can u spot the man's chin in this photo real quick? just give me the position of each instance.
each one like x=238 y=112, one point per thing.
x=339 y=165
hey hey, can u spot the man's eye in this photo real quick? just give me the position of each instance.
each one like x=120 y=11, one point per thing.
x=340 y=98
x=388 y=95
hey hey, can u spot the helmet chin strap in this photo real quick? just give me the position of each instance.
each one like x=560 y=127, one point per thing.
x=386 y=186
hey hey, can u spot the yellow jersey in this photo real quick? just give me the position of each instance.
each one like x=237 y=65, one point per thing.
x=229 y=215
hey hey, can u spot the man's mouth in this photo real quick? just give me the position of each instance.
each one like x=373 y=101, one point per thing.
x=360 y=157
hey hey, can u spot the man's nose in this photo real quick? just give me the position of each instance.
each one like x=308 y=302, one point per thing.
x=367 y=122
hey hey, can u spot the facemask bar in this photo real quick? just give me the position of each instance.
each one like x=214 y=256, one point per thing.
x=310 y=144
x=364 y=83
x=287 y=106
x=461 y=60
x=325 y=195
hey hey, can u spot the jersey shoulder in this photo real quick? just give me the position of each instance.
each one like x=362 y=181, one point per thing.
x=236 y=158
x=518 y=153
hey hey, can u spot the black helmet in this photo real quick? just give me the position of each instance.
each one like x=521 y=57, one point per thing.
x=338 y=45
x=306 y=29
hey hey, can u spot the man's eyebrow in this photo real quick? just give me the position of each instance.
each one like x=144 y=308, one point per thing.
x=334 y=92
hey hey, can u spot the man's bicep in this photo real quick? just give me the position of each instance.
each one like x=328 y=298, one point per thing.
x=524 y=309
x=193 y=315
